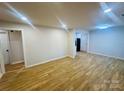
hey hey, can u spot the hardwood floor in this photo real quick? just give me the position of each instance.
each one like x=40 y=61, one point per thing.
x=85 y=72
x=13 y=67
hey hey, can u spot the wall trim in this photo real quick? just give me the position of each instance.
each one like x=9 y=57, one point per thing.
x=43 y=62
x=105 y=55
x=1 y=75
x=44 y=26
x=16 y=62
x=70 y=56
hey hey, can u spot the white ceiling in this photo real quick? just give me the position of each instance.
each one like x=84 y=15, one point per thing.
x=74 y=15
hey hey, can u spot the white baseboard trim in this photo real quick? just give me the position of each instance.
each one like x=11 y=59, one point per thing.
x=105 y=55
x=70 y=56
x=1 y=76
x=46 y=61
x=16 y=62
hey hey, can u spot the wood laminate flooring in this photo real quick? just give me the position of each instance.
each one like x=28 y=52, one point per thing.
x=13 y=67
x=85 y=72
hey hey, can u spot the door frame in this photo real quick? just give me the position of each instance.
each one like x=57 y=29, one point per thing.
x=2 y=65
x=87 y=41
x=2 y=57
x=6 y=32
x=23 y=44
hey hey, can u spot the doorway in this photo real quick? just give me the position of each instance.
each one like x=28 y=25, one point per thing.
x=81 y=38
x=78 y=44
x=78 y=41
x=12 y=49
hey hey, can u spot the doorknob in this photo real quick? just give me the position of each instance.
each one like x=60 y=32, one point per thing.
x=7 y=50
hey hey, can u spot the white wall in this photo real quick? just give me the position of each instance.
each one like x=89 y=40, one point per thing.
x=0 y=66
x=71 y=44
x=84 y=41
x=108 y=42
x=41 y=45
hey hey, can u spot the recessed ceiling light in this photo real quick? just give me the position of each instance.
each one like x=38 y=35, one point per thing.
x=107 y=10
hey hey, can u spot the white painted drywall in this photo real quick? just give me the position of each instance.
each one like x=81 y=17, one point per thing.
x=108 y=42
x=41 y=45
x=71 y=44
x=84 y=41
x=0 y=64
x=0 y=67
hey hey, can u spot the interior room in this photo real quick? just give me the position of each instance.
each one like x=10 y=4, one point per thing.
x=64 y=46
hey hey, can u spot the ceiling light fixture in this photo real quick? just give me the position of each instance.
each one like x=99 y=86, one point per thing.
x=24 y=18
x=107 y=10
x=104 y=26
x=64 y=26
x=19 y=15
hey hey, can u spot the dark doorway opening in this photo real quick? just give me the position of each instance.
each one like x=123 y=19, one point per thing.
x=78 y=41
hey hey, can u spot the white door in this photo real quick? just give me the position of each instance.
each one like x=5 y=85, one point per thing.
x=2 y=67
x=4 y=46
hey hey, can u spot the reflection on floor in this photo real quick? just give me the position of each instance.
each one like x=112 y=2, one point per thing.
x=13 y=67
x=85 y=72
